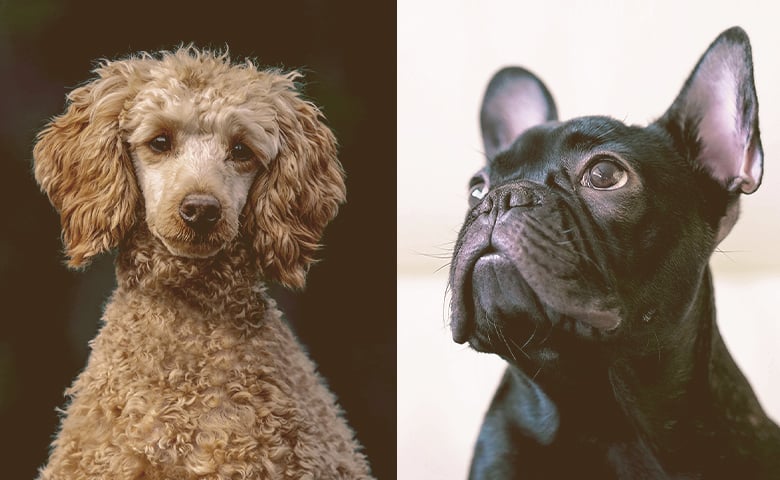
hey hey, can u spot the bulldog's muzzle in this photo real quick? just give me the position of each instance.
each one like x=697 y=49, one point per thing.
x=522 y=261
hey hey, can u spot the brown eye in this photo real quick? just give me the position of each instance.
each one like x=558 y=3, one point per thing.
x=160 y=143
x=241 y=153
x=605 y=175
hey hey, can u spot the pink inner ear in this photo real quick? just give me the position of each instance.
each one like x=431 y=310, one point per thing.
x=515 y=101
x=729 y=151
x=518 y=108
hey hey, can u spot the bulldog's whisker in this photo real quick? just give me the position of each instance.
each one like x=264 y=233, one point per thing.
x=725 y=253
x=437 y=256
x=446 y=265
x=445 y=307
x=536 y=226
x=530 y=339
x=446 y=252
x=540 y=243
x=503 y=337
x=500 y=333
x=522 y=349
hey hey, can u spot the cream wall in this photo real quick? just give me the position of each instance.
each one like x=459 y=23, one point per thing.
x=624 y=59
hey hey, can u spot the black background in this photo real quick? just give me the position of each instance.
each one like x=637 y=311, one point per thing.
x=346 y=316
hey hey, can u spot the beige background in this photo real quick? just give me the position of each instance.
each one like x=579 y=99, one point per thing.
x=624 y=59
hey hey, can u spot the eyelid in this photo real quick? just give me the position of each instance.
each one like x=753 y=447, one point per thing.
x=602 y=156
x=478 y=178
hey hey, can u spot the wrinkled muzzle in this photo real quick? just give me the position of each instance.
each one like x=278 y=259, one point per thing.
x=523 y=261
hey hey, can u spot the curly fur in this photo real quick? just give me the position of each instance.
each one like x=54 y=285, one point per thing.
x=194 y=374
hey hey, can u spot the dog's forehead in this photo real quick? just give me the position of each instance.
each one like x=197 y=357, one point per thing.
x=224 y=101
x=559 y=147
x=189 y=101
x=204 y=85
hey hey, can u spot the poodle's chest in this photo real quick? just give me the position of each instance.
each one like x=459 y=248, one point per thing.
x=188 y=346
x=191 y=385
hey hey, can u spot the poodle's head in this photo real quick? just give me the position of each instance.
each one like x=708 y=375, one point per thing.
x=206 y=152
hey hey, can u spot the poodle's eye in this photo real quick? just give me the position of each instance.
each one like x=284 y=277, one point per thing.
x=160 y=143
x=241 y=153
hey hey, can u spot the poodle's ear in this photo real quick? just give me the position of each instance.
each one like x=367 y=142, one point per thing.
x=290 y=204
x=81 y=164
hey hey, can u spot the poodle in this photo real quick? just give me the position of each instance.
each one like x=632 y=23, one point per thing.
x=210 y=178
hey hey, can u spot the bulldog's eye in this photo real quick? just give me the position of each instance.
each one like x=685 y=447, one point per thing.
x=477 y=191
x=239 y=152
x=161 y=143
x=605 y=175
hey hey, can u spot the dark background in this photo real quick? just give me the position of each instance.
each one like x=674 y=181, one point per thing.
x=346 y=316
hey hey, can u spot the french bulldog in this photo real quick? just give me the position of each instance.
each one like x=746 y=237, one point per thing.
x=583 y=262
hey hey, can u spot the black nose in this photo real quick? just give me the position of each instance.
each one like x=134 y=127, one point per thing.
x=200 y=211
x=504 y=198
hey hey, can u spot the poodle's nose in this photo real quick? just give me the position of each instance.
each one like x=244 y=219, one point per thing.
x=200 y=211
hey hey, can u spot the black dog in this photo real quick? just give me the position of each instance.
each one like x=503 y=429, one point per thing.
x=583 y=262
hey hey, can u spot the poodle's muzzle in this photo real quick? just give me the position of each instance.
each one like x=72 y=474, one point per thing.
x=195 y=194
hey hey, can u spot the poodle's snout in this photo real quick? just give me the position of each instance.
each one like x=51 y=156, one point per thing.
x=200 y=211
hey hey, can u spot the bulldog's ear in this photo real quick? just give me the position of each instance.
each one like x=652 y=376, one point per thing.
x=514 y=101
x=715 y=116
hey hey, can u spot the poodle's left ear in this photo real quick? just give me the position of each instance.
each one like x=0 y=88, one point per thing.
x=290 y=204
x=81 y=164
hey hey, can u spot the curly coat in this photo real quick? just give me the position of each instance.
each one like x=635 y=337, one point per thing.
x=194 y=374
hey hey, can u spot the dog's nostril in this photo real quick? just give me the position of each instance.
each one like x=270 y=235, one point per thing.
x=508 y=198
x=200 y=211
x=521 y=197
x=505 y=202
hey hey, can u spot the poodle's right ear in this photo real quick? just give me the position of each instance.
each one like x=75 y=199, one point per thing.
x=82 y=165
x=290 y=205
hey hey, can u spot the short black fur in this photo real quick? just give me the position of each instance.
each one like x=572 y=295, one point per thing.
x=600 y=297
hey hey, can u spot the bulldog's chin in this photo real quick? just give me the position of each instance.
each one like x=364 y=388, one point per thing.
x=511 y=317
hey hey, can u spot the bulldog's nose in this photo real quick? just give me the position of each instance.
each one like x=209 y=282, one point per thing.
x=200 y=211
x=508 y=197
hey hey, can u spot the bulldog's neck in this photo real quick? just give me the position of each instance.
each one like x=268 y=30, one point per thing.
x=670 y=387
x=692 y=397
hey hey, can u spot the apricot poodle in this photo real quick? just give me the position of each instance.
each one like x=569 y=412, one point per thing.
x=211 y=178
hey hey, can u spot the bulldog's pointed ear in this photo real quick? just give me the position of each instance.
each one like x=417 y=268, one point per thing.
x=715 y=116
x=514 y=101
